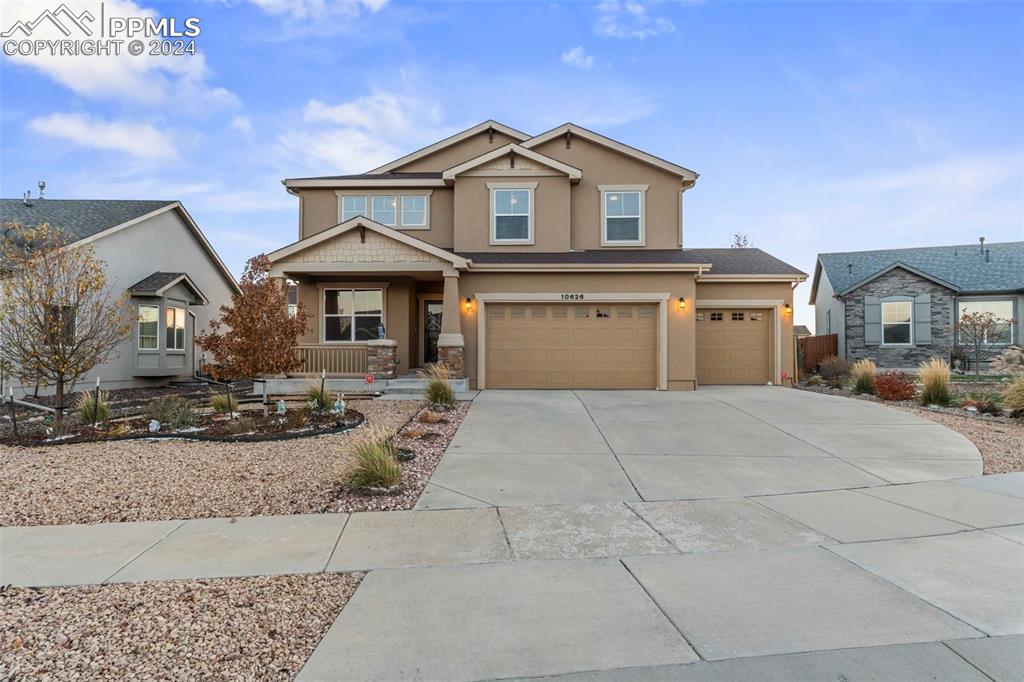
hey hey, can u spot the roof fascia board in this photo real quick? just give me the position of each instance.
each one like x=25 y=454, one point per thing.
x=752 y=277
x=188 y=282
x=368 y=182
x=589 y=267
x=573 y=172
x=815 y=279
x=359 y=221
x=908 y=268
x=614 y=145
x=451 y=140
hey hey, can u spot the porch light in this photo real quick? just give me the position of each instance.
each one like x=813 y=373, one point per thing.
x=788 y=308
x=682 y=303
x=469 y=303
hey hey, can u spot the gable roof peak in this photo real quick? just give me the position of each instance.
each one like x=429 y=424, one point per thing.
x=489 y=124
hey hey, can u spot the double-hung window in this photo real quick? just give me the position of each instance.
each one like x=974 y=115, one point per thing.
x=512 y=215
x=175 y=324
x=385 y=209
x=414 y=211
x=149 y=327
x=897 y=323
x=1002 y=311
x=352 y=206
x=622 y=214
x=352 y=314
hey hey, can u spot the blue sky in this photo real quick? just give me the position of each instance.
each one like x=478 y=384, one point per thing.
x=815 y=127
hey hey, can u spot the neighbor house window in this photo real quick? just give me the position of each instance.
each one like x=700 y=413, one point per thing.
x=352 y=206
x=622 y=211
x=149 y=327
x=385 y=209
x=293 y=299
x=175 y=325
x=414 y=211
x=1001 y=310
x=352 y=314
x=512 y=217
x=897 y=320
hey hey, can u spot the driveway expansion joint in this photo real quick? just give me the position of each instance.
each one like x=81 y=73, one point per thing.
x=139 y=555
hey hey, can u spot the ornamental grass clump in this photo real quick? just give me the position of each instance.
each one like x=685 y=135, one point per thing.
x=319 y=398
x=834 y=371
x=224 y=403
x=92 y=411
x=375 y=465
x=1013 y=397
x=439 y=392
x=173 y=411
x=934 y=377
x=863 y=372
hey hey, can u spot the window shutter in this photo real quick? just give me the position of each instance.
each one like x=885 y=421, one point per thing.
x=872 y=321
x=922 y=319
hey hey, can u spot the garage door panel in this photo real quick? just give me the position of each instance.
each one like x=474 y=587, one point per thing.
x=732 y=346
x=571 y=346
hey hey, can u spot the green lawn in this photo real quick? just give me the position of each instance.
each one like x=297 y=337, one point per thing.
x=969 y=378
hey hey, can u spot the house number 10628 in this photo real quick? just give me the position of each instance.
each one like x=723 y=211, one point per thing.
x=572 y=297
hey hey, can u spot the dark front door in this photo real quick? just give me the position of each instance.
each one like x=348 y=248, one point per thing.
x=431 y=329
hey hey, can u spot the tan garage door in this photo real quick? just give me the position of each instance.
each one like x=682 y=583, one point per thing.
x=732 y=346
x=571 y=345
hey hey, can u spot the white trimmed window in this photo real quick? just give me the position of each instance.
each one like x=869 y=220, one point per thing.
x=1002 y=311
x=352 y=314
x=897 y=323
x=175 y=326
x=385 y=209
x=352 y=206
x=414 y=211
x=511 y=215
x=149 y=327
x=293 y=298
x=622 y=215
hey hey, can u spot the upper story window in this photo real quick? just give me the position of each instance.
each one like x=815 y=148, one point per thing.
x=385 y=209
x=1002 y=311
x=622 y=215
x=149 y=323
x=414 y=211
x=352 y=314
x=512 y=214
x=897 y=323
x=175 y=318
x=352 y=206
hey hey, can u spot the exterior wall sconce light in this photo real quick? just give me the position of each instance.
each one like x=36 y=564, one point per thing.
x=788 y=308
x=469 y=303
x=682 y=303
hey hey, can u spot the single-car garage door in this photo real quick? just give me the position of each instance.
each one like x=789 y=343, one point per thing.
x=558 y=345
x=732 y=346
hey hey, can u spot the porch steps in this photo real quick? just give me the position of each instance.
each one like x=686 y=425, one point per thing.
x=405 y=386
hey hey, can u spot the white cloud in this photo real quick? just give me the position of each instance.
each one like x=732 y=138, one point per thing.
x=242 y=124
x=629 y=19
x=577 y=57
x=134 y=139
x=318 y=9
x=144 y=78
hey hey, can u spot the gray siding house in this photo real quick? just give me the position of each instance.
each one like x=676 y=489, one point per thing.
x=157 y=255
x=898 y=307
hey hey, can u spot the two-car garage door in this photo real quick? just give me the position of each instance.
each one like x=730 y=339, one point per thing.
x=732 y=346
x=571 y=345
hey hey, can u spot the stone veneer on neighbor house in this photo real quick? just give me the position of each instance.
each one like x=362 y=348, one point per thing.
x=899 y=282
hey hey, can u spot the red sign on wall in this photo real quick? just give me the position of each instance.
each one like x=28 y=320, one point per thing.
x=369 y=379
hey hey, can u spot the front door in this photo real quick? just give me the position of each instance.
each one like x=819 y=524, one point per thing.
x=431 y=329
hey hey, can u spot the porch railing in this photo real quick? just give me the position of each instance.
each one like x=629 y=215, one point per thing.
x=335 y=360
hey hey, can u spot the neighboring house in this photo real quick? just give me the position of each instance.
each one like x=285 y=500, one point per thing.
x=898 y=307
x=155 y=253
x=801 y=330
x=548 y=261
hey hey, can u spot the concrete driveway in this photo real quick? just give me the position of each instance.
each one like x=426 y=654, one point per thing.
x=568 y=447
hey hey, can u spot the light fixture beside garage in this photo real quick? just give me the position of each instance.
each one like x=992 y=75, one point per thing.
x=469 y=303
x=788 y=308
x=682 y=303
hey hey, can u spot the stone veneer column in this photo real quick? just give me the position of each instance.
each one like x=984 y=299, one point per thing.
x=450 y=343
x=381 y=357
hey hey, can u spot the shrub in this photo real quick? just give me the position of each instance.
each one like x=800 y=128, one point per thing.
x=223 y=403
x=895 y=386
x=296 y=419
x=172 y=410
x=834 y=370
x=241 y=425
x=320 y=399
x=863 y=372
x=1010 y=361
x=814 y=380
x=985 y=404
x=934 y=376
x=1013 y=397
x=428 y=417
x=375 y=465
x=90 y=411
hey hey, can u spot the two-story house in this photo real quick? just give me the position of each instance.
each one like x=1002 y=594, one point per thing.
x=548 y=261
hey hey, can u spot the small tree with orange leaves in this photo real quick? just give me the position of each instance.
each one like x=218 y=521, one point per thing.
x=58 y=317
x=255 y=334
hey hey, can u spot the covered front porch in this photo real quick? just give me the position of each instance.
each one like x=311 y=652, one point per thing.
x=380 y=302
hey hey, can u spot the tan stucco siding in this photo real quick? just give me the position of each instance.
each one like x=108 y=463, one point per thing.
x=746 y=292
x=320 y=210
x=603 y=166
x=681 y=372
x=455 y=154
x=550 y=214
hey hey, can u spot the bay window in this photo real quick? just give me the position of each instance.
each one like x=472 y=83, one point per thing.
x=149 y=323
x=175 y=326
x=352 y=314
x=897 y=323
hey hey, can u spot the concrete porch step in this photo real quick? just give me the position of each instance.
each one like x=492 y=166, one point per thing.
x=411 y=386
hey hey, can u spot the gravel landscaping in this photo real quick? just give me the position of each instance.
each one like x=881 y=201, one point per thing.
x=1000 y=441
x=229 y=629
x=142 y=480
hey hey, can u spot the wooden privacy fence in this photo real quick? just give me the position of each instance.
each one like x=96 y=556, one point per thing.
x=814 y=349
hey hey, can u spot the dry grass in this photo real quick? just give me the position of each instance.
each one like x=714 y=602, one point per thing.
x=934 y=376
x=139 y=480
x=227 y=629
x=863 y=373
